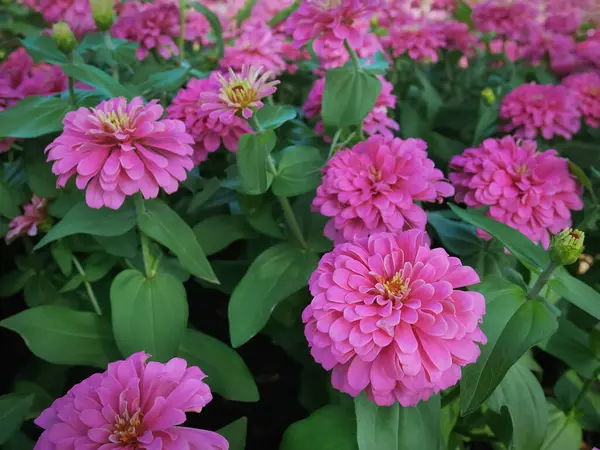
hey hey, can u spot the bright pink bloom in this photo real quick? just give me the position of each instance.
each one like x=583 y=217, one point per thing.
x=421 y=40
x=342 y=18
x=207 y=133
x=374 y=185
x=237 y=93
x=588 y=50
x=533 y=109
x=376 y=122
x=120 y=148
x=586 y=88
x=388 y=317
x=531 y=191
x=77 y=13
x=134 y=404
x=511 y=20
x=457 y=36
x=27 y=224
x=332 y=53
x=560 y=49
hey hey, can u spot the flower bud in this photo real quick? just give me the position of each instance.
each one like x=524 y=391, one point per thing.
x=488 y=96
x=566 y=246
x=103 y=13
x=64 y=37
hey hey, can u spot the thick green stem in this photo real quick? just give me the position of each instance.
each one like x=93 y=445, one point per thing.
x=584 y=389
x=353 y=55
x=88 y=286
x=181 y=43
x=542 y=280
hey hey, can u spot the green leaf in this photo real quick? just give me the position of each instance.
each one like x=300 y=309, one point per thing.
x=13 y=409
x=41 y=400
x=169 y=80
x=200 y=198
x=521 y=393
x=576 y=291
x=235 y=433
x=226 y=371
x=217 y=232
x=97 y=78
x=252 y=154
x=395 y=427
x=581 y=176
x=165 y=226
x=215 y=24
x=8 y=204
x=273 y=116
x=63 y=336
x=512 y=326
x=459 y=238
x=348 y=97
x=487 y=123
x=298 y=172
x=124 y=245
x=259 y=214
x=97 y=222
x=432 y=98
x=563 y=432
x=245 y=12
x=40 y=290
x=13 y=282
x=19 y=441
x=42 y=48
x=283 y=14
x=463 y=13
x=148 y=314
x=328 y=428
x=39 y=174
x=18 y=121
x=62 y=255
x=567 y=389
x=277 y=273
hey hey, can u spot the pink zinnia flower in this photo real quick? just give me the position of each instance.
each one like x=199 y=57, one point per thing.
x=77 y=13
x=373 y=186
x=533 y=109
x=586 y=88
x=560 y=48
x=134 y=404
x=208 y=133
x=376 y=122
x=237 y=93
x=388 y=317
x=120 y=148
x=332 y=53
x=27 y=224
x=421 y=40
x=589 y=50
x=342 y=18
x=24 y=77
x=531 y=191
x=510 y=20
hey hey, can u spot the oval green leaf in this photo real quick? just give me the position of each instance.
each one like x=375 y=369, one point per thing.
x=97 y=78
x=252 y=154
x=13 y=409
x=298 y=172
x=18 y=121
x=217 y=232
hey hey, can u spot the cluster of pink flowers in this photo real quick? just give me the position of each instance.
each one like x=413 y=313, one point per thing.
x=134 y=404
x=531 y=191
x=586 y=89
x=376 y=122
x=35 y=214
x=374 y=185
x=76 y=13
x=120 y=148
x=388 y=317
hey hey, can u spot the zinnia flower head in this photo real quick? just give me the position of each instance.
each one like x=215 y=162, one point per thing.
x=76 y=13
x=208 y=133
x=24 y=77
x=421 y=40
x=508 y=19
x=531 y=191
x=118 y=148
x=332 y=53
x=586 y=88
x=134 y=404
x=533 y=109
x=27 y=224
x=238 y=93
x=561 y=50
x=373 y=186
x=388 y=317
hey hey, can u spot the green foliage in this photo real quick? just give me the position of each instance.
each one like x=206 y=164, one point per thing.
x=252 y=164
x=298 y=171
x=18 y=122
x=13 y=408
x=273 y=116
x=235 y=433
x=99 y=79
x=217 y=232
x=563 y=432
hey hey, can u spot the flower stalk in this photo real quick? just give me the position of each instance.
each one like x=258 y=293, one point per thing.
x=353 y=55
x=88 y=286
x=181 y=43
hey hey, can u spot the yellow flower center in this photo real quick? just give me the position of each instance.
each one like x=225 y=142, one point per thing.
x=520 y=170
x=240 y=92
x=376 y=174
x=397 y=286
x=114 y=121
x=127 y=429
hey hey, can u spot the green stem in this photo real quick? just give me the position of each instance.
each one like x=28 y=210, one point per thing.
x=254 y=122
x=542 y=280
x=149 y=268
x=334 y=143
x=353 y=55
x=584 y=389
x=72 y=96
x=88 y=286
x=182 y=4
x=111 y=48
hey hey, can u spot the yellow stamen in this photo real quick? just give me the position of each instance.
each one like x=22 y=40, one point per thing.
x=128 y=429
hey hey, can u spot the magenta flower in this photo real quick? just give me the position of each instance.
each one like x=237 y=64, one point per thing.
x=332 y=53
x=237 y=93
x=508 y=19
x=320 y=18
x=376 y=122
x=561 y=50
x=373 y=186
x=421 y=40
x=588 y=50
x=132 y=405
x=208 y=133
x=531 y=191
x=586 y=88
x=387 y=317
x=120 y=148
x=77 y=13
x=533 y=109
x=27 y=224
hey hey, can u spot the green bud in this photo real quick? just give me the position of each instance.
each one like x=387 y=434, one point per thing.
x=488 y=95
x=103 y=13
x=64 y=37
x=566 y=246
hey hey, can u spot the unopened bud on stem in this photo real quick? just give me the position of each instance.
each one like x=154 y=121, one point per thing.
x=488 y=95
x=64 y=37
x=566 y=246
x=103 y=13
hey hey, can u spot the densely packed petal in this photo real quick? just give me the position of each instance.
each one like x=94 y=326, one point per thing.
x=34 y=215
x=586 y=88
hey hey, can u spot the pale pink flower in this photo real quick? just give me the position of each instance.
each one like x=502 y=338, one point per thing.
x=508 y=19
x=388 y=317
x=342 y=18
x=547 y=110
x=134 y=404
x=27 y=225
x=374 y=186
x=237 y=93
x=586 y=88
x=531 y=191
x=421 y=40
x=208 y=133
x=120 y=148
x=265 y=10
